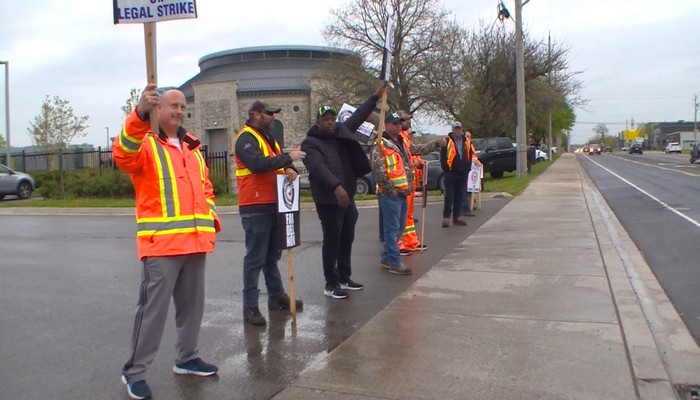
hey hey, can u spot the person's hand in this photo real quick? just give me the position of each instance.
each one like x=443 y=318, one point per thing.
x=149 y=99
x=381 y=90
x=418 y=163
x=296 y=153
x=341 y=196
x=291 y=174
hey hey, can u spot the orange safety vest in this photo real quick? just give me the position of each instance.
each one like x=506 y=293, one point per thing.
x=395 y=169
x=175 y=209
x=260 y=187
x=452 y=151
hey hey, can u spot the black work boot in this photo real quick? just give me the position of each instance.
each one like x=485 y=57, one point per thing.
x=252 y=316
x=281 y=302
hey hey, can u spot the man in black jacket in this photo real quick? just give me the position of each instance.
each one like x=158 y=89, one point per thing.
x=335 y=159
x=455 y=160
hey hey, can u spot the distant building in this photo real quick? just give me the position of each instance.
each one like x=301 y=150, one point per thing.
x=219 y=96
x=665 y=132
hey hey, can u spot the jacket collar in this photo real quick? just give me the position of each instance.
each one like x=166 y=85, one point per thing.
x=191 y=141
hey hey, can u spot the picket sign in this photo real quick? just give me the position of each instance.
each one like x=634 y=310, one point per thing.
x=148 y=12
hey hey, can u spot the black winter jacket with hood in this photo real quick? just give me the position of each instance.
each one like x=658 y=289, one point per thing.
x=337 y=158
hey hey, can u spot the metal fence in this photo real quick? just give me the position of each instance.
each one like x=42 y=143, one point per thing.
x=85 y=161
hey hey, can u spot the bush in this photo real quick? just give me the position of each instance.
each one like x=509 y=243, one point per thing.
x=84 y=184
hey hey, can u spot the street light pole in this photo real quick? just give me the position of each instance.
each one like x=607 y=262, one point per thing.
x=695 y=120
x=521 y=131
x=8 y=153
x=108 y=142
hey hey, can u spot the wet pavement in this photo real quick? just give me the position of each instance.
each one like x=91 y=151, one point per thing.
x=69 y=289
x=510 y=312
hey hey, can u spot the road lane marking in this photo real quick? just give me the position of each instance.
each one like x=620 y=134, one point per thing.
x=660 y=166
x=651 y=196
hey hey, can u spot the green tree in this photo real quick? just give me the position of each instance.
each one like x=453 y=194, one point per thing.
x=55 y=127
x=131 y=102
x=3 y=143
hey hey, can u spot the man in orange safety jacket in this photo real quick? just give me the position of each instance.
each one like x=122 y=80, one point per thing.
x=176 y=225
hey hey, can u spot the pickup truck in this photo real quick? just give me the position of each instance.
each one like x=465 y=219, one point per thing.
x=498 y=155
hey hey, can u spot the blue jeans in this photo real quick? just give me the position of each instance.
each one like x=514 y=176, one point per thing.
x=261 y=255
x=455 y=186
x=394 y=209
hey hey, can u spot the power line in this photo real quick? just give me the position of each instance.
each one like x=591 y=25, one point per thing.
x=641 y=98
x=599 y=123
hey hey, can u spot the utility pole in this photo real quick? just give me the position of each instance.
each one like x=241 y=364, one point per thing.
x=8 y=153
x=521 y=132
x=108 y=142
x=551 y=99
x=695 y=120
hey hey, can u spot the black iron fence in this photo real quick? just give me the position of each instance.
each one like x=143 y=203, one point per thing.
x=86 y=161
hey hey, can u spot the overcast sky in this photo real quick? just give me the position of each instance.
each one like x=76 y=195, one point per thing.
x=638 y=59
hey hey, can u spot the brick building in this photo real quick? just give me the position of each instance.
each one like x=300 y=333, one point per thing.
x=219 y=96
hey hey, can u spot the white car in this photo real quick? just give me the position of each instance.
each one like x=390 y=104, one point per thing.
x=673 y=147
x=540 y=155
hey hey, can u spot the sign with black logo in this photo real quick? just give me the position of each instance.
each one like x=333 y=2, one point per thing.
x=288 y=226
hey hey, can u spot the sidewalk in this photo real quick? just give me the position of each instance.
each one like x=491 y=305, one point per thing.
x=569 y=310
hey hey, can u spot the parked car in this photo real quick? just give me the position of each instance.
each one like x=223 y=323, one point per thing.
x=673 y=147
x=635 y=148
x=499 y=155
x=436 y=179
x=15 y=183
x=540 y=156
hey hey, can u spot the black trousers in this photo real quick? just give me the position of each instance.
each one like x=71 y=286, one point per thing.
x=455 y=185
x=338 y=226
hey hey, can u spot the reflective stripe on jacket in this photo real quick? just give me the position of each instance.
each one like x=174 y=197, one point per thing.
x=175 y=209
x=395 y=168
x=452 y=151
x=260 y=187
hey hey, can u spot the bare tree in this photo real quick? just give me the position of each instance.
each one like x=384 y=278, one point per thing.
x=131 y=102
x=55 y=127
x=477 y=84
x=361 y=26
x=601 y=130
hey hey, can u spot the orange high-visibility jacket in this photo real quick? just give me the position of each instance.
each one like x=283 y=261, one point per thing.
x=469 y=152
x=261 y=187
x=175 y=209
x=395 y=168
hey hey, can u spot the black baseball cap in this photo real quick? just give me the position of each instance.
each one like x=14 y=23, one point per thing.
x=392 y=118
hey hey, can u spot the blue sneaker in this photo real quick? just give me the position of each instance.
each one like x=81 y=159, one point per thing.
x=195 y=367
x=137 y=390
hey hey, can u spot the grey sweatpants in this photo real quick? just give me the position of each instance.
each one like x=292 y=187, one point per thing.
x=179 y=277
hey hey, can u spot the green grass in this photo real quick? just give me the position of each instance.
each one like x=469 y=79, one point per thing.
x=509 y=184
x=513 y=185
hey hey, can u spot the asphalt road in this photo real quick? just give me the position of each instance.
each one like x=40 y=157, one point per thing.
x=69 y=289
x=656 y=197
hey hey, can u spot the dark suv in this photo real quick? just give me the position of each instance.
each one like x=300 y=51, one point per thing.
x=498 y=154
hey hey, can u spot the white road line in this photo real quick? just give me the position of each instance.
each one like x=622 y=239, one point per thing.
x=651 y=196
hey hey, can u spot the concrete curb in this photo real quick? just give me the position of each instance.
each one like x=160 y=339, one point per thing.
x=223 y=210
x=661 y=350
